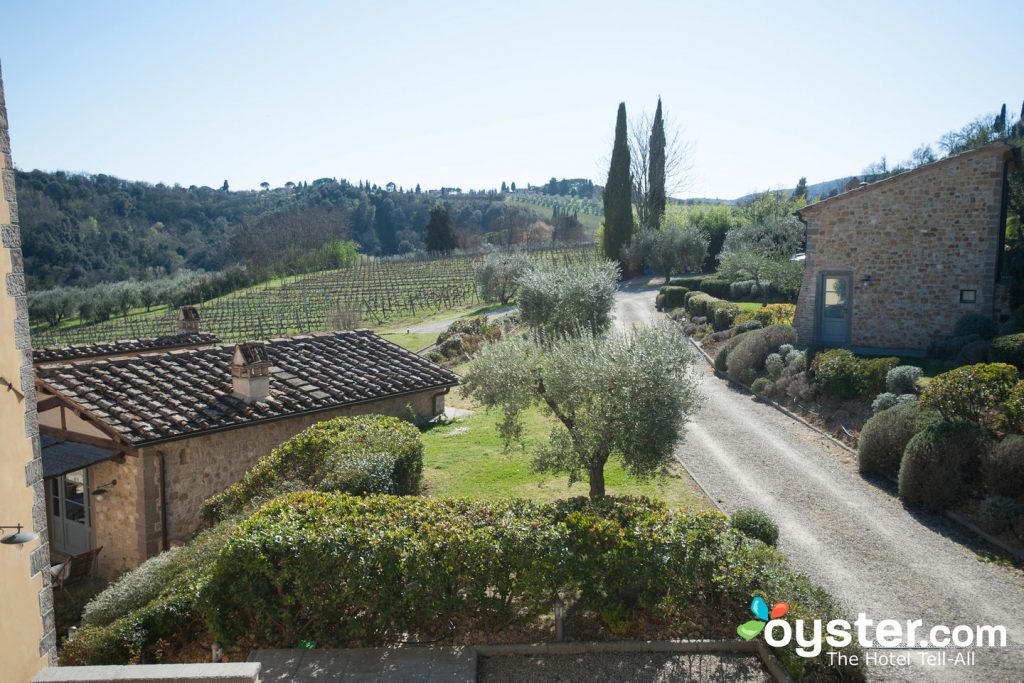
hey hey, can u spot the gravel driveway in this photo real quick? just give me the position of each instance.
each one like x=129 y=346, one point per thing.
x=846 y=533
x=439 y=326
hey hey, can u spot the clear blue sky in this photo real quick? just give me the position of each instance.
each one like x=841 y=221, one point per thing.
x=471 y=94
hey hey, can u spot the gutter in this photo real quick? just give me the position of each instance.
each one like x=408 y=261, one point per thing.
x=165 y=545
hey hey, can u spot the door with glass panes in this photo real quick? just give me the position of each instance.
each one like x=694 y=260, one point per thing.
x=834 y=310
x=70 y=529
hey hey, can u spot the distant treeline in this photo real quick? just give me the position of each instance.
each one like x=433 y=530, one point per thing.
x=80 y=230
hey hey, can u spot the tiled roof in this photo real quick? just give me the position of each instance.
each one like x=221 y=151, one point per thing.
x=181 y=393
x=122 y=348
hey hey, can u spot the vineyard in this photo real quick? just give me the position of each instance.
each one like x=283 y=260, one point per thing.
x=373 y=293
x=591 y=211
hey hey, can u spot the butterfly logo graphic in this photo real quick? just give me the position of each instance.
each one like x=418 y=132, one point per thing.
x=759 y=608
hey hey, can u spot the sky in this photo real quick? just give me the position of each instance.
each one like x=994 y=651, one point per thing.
x=471 y=94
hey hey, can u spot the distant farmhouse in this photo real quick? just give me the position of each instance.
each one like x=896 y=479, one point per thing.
x=892 y=265
x=138 y=434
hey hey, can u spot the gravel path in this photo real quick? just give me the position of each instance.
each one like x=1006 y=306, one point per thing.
x=439 y=326
x=635 y=667
x=846 y=533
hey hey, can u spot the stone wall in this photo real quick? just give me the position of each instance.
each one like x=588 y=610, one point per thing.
x=128 y=522
x=27 y=636
x=920 y=237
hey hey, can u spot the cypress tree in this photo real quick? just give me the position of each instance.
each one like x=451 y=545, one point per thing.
x=656 y=170
x=441 y=236
x=1000 y=125
x=618 y=209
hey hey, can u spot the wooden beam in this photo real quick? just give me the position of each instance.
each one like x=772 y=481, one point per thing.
x=47 y=404
x=65 y=435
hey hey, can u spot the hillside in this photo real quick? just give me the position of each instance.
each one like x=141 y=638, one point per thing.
x=79 y=230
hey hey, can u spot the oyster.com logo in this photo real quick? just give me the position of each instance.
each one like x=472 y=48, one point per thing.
x=759 y=608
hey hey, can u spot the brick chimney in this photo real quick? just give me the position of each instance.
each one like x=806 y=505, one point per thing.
x=188 y=320
x=250 y=372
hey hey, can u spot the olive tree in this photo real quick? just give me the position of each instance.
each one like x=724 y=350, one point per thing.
x=626 y=396
x=676 y=247
x=763 y=252
x=498 y=276
x=557 y=299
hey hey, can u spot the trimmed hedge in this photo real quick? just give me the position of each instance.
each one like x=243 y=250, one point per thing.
x=715 y=287
x=1002 y=467
x=844 y=376
x=1008 y=349
x=939 y=465
x=885 y=436
x=691 y=283
x=750 y=353
x=358 y=455
x=973 y=394
x=338 y=569
x=673 y=297
x=757 y=525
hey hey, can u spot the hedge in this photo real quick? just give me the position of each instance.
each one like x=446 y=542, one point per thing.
x=885 y=436
x=940 y=464
x=1008 y=349
x=673 y=297
x=338 y=569
x=691 y=283
x=844 y=376
x=1002 y=467
x=973 y=394
x=715 y=287
x=748 y=357
x=358 y=455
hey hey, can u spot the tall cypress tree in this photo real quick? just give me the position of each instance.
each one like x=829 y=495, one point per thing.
x=656 y=170
x=618 y=209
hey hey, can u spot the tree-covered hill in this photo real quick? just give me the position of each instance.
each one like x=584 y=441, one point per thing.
x=80 y=229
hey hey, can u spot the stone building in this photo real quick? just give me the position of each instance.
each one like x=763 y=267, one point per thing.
x=892 y=265
x=134 y=444
x=27 y=637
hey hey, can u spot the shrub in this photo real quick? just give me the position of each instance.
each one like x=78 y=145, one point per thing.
x=724 y=314
x=971 y=394
x=697 y=303
x=715 y=287
x=673 y=297
x=1002 y=467
x=358 y=455
x=997 y=513
x=844 y=376
x=902 y=379
x=1013 y=408
x=774 y=364
x=795 y=358
x=883 y=401
x=133 y=590
x=748 y=325
x=885 y=436
x=691 y=283
x=760 y=387
x=776 y=314
x=753 y=349
x=756 y=524
x=738 y=291
x=973 y=323
x=785 y=350
x=1008 y=349
x=939 y=465
x=720 y=359
x=974 y=352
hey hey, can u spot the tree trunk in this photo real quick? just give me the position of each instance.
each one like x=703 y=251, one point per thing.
x=597 y=481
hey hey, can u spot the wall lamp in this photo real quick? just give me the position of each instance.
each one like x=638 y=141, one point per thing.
x=866 y=281
x=19 y=537
x=103 y=489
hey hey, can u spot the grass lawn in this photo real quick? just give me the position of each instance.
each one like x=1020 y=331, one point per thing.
x=467 y=458
x=414 y=341
x=748 y=306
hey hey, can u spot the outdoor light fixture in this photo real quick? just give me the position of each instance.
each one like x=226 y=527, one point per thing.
x=866 y=280
x=19 y=537
x=104 y=489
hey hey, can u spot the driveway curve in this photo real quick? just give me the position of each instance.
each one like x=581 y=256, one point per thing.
x=848 y=534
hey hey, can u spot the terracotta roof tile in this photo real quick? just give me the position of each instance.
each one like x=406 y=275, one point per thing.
x=122 y=347
x=182 y=393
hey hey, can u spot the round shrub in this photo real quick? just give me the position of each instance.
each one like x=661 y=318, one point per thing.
x=358 y=455
x=756 y=524
x=773 y=364
x=760 y=387
x=998 y=513
x=785 y=350
x=902 y=379
x=972 y=394
x=673 y=297
x=974 y=352
x=720 y=359
x=844 y=376
x=796 y=359
x=749 y=325
x=884 y=401
x=1002 y=467
x=973 y=323
x=1008 y=349
x=776 y=314
x=133 y=590
x=753 y=349
x=724 y=315
x=939 y=465
x=883 y=438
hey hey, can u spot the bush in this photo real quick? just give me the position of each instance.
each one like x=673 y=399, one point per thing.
x=673 y=297
x=756 y=524
x=973 y=323
x=358 y=455
x=760 y=387
x=1002 y=467
x=971 y=394
x=1008 y=349
x=133 y=590
x=883 y=401
x=974 y=352
x=998 y=513
x=785 y=350
x=774 y=364
x=720 y=359
x=739 y=291
x=715 y=287
x=885 y=436
x=691 y=283
x=753 y=349
x=724 y=314
x=902 y=379
x=697 y=303
x=844 y=376
x=776 y=314
x=939 y=465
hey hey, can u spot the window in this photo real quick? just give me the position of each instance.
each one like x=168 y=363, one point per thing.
x=968 y=296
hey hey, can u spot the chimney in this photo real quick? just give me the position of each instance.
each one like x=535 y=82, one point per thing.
x=250 y=372
x=188 y=320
